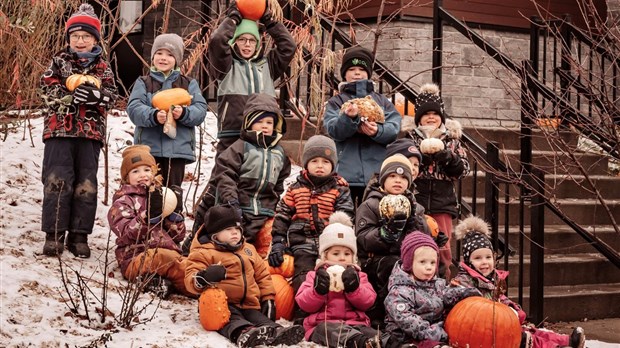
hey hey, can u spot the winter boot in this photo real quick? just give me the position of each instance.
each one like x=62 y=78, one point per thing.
x=77 y=243
x=288 y=335
x=253 y=336
x=577 y=338
x=54 y=244
x=526 y=340
x=159 y=286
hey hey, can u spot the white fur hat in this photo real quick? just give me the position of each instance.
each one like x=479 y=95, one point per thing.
x=338 y=232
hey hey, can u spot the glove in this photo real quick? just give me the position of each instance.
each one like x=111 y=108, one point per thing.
x=427 y=160
x=276 y=256
x=444 y=157
x=89 y=94
x=396 y=225
x=350 y=279
x=268 y=308
x=321 y=282
x=154 y=204
x=388 y=235
x=441 y=239
x=178 y=191
x=233 y=12
x=210 y=275
x=235 y=205
x=267 y=18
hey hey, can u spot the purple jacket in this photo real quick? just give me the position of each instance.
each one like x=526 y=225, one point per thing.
x=133 y=233
x=335 y=306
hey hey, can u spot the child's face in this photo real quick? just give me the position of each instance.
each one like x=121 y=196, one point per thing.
x=415 y=167
x=141 y=175
x=319 y=166
x=355 y=73
x=229 y=235
x=264 y=125
x=163 y=60
x=82 y=41
x=430 y=118
x=483 y=261
x=247 y=45
x=339 y=254
x=424 y=263
x=396 y=184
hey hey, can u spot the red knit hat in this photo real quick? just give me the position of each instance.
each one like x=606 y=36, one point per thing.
x=84 y=19
x=411 y=243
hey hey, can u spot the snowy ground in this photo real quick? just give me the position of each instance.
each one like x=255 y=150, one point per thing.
x=33 y=301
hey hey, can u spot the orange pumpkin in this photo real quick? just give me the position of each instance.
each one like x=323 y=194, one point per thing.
x=400 y=107
x=263 y=238
x=174 y=96
x=213 y=309
x=286 y=269
x=285 y=297
x=252 y=9
x=75 y=80
x=482 y=323
x=433 y=226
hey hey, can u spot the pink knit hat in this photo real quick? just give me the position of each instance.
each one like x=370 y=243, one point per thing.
x=411 y=243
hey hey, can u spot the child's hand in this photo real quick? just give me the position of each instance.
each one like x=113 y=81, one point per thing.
x=369 y=128
x=177 y=112
x=352 y=110
x=209 y=275
x=161 y=116
x=350 y=279
x=321 y=282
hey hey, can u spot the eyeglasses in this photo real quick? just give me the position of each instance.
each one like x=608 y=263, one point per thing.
x=245 y=41
x=85 y=38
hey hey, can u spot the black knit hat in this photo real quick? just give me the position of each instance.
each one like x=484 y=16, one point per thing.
x=474 y=233
x=357 y=56
x=429 y=100
x=221 y=217
x=405 y=147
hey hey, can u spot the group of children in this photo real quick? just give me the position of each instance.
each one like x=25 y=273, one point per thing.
x=374 y=283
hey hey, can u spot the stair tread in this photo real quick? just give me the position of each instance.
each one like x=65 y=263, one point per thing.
x=560 y=201
x=568 y=177
x=564 y=229
x=564 y=258
x=572 y=290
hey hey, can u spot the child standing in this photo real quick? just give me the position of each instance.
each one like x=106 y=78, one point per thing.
x=146 y=241
x=337 y=317
x=74 y=132
x=171 y=153
x=439 y=170
x=220 y=255
x=478 y=271
x=361 y=144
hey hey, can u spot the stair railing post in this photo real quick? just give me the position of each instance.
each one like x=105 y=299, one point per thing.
x=565 y=64
x=537 y=246
x=491 y=193
x=437 y=43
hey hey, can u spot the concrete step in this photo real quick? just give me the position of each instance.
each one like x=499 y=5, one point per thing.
x=296 y=129
x=555 y=162
x=293 y=149
x=510 y=138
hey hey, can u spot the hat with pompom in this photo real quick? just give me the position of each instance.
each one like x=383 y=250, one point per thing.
x=429 y=100
x=411 y=243
x=135 y=156
x=338 y=232
x=475 y=234
x=84 y=19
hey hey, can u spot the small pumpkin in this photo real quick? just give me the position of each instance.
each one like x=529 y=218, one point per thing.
x=482 y=323
x=431 y=145
x=335 y=278
x=163 y=100
x=367 y=109
x=394 y=205
x=75 y=80
x=213 y=309
x=285 y=297
x=286 y=269
x=252 y=9
x=262 y=243
x=170 y=201
x=432 y=224
x=400 y=107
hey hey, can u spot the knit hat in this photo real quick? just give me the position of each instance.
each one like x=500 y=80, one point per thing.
x=398 y=164
x=405 y=147
x=247 y=26
x=319 y=146
x=357 y=56
x=84 y=19
x=259 y=115
x=338 y=232
x=135 y=156
x=171 y=42
x=429 y=100
x=475 y=234
x=411 y=243
x=221 y=217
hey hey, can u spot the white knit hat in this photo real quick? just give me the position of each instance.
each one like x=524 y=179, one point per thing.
x=338 y=232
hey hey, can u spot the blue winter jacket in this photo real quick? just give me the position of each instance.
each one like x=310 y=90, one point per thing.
x=150 y=132
x=359 y=156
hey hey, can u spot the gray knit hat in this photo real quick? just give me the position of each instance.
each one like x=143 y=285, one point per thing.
x=398 y=164
x=320 y=146
x=171 y=42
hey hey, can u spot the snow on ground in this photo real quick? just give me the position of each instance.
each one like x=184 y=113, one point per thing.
x=34 y=311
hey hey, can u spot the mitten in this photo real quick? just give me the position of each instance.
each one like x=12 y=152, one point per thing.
x=388 y=235
x=209 y=276
x=235 y=205
x=321 y=282
x=178 y=191
x=154 y=204
x=268 y=308
x=396 y=225
x=276 y=256
x=350 y=279
x=89 y=94
x=233 y=12
x=441 y=239
x=267 y=18
x=427 y=160
x=443 y=157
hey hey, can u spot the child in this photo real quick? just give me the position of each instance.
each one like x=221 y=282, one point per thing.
x=478 y=271
x=74 y=132
x=302 y=214
x=361 y=144
x=146 y=242
x=220 y=255
x=337 y=318
x=439 y=170
x=417 y=299
x=171 y=153
x=379 y=237
x=250 y=173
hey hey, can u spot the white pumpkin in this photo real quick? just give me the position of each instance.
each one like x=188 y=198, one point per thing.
x=431 y=145
x=392 y=205
x=170 y=201
x=335 y=278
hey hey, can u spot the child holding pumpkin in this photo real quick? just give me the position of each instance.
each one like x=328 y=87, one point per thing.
x=171 y=151
x=74 y=132
x=221 y=256
x=147 y=240
x=444 y=161
x=477 y=270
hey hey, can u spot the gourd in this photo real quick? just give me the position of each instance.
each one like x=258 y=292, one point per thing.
x=368 y=109
x=286 y=269
x=394 y=205
x=285 y=297
x=170 y=201
x=252 y=9
x=75 y=80
x=335 y=278
x=263 y=238
x=163 y=100
x=482 y=323
x=213 y=309
x=431 y=145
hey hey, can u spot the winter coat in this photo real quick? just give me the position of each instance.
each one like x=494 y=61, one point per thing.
x=134 y=234
x=303 y=212
x=415 y=309
x=238 y=78
x=144 y=115
x=248 y=282
x=435 y=183
x=63 y=119
x=335 y=306
x=359 y=156
x=469 y=277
